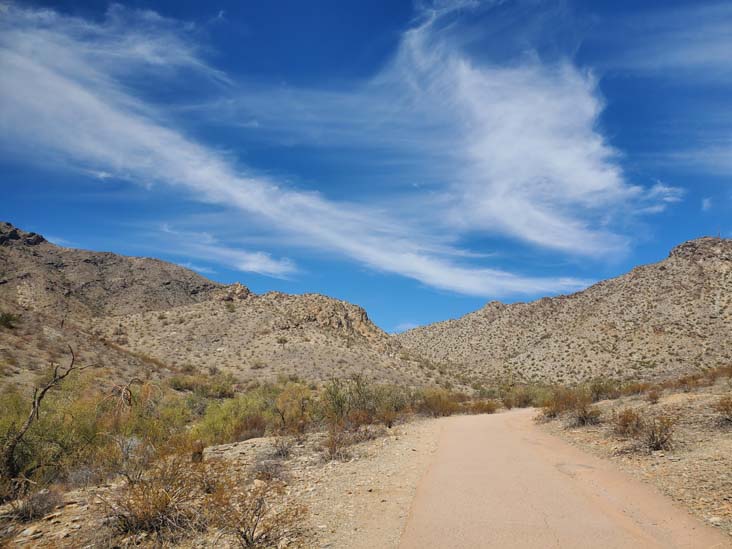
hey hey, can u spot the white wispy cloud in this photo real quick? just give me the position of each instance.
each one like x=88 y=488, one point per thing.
x=706 y=204
x=694 y=39
x=205 y=246
x=514 y=149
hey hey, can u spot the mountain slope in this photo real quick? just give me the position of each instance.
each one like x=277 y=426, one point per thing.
x=263 y=336
x=65 y=282
x=148 y=318
x=667 y=318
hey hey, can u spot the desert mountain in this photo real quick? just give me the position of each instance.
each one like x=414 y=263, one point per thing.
x=658 y=320
x=148 y=318
x=61 y=282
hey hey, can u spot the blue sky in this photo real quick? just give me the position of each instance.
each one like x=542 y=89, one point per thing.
x=417 y=158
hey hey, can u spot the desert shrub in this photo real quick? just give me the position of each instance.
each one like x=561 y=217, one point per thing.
x=353 y=402
x=268 y=469
x=653 y=396
x=687 y=383
x=604 y=389
x=281 y=447
x=8 y=320
x=218 y=386
x=436 y=402
x=560 y=400
x=334 y=402
x=35 y=505
x=577 y=403
x=165 y=502
x=585 y=413
x=627 y=422
x=293 y=407
x=391 y=402
x=724 y=408
x=508 y=401
x=336 y=443
x=482 y=406
x=634 y=388
x=233 y=420
x=253 y=520
x=657 y=433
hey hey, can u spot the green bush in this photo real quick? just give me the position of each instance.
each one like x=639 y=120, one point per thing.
x=8 y=320
x=236 y=419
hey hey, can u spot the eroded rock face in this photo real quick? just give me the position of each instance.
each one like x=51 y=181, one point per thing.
x=12 y=236
x=68 y=283
x=704 y=249
x=233 y=292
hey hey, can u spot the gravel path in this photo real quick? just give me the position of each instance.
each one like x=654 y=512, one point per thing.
x=500 y=481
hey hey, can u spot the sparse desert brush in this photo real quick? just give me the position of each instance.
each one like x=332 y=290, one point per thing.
x=724 y=408
x=282 y=447
x=35 y=505
x=293 y=407
x=560 y=400
x=165 y=502
x=336 y=443
x=653 y=396
x=233 y=420
x=604 y=389
x=436 y=402
x=482 y=406
x=634 y=388
x=218 y=386
x=268 y=470
x=657 y=433
x=391 y=402
x=627 y=422
x=687 y=383
x=584 y=413
x=257 y=517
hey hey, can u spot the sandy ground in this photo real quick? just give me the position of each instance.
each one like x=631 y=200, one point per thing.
x=500 y=481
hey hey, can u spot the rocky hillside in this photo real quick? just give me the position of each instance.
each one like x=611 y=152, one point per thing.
x=658 y=320
x=262 y=337
x=64 y=282
x=148 y=318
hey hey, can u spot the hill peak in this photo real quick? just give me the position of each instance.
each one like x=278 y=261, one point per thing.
x=11 y=236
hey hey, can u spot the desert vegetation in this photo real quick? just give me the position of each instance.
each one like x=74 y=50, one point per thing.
x=147 y=439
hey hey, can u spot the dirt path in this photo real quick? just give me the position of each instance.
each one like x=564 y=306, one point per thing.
x=499 y=481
